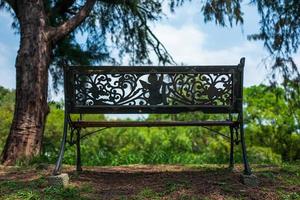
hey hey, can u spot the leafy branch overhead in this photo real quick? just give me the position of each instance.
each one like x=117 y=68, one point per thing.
x=280 y=30
x=112 y=25
x=112 y=29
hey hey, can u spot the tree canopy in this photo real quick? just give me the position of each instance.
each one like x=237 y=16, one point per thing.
x=123 y=26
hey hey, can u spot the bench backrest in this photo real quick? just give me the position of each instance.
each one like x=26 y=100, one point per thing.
x=148 y=89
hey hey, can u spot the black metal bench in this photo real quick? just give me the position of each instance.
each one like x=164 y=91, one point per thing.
x=140 y=89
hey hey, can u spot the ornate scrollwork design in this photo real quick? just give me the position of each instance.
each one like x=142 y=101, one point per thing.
x=200 y=89
x=153 y=89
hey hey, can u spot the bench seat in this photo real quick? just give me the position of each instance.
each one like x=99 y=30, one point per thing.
x=85 y=124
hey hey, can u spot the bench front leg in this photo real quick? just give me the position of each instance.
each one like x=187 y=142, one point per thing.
x=58 y=164
x=247 y=169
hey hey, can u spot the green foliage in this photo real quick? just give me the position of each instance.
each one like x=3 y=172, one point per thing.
x=169 y=188
x=270 y=122
x=279 y=31
x=53 y=130
x=280 y=28
x=223 y=11
x=147 y=194
x=6 y=113
x=291 y=173
x=272 y=136
x=289 y=196
x=263 y=155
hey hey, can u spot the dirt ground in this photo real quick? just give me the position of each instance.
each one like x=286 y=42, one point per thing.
x=167 y=182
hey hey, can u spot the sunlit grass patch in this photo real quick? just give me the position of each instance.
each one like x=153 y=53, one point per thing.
x=39 y=189
x=147 y=193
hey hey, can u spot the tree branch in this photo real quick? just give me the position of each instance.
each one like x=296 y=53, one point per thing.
x=158 y=48
x=61 y=7
x=64 y=29
x=12 y=4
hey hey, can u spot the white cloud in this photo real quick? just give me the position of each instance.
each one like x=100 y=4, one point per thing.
x=187 y=45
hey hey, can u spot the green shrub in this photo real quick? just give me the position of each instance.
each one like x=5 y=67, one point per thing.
x=263 y=155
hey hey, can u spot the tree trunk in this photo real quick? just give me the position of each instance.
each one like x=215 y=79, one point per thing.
x=33 y=59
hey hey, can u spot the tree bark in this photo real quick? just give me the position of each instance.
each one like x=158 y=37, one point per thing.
x=34 y=56
x=33 y=59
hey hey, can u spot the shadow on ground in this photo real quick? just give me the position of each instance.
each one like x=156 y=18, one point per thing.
x=152 y=182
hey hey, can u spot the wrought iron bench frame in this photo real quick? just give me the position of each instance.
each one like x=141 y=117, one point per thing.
x=77 y=102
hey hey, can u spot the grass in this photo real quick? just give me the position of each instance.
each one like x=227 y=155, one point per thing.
x=137 y=183
x=37 y=189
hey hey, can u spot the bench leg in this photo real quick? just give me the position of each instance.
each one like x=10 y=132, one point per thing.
x=231 y=158
x=58 y=164
x=78 y=161
x=247 y=170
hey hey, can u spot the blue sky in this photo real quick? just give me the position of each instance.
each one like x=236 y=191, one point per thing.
x=184 y=34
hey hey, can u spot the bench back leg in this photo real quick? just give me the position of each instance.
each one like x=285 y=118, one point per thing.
x=78 y=160
x=231 y=158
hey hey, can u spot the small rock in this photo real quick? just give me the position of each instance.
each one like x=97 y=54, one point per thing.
x=59 y=180
x=233 y=170
x=250 y=180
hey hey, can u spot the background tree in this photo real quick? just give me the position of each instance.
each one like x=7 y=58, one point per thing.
x=270 y=122
x=48 y=31
x=7 y=99
x=280 y=31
